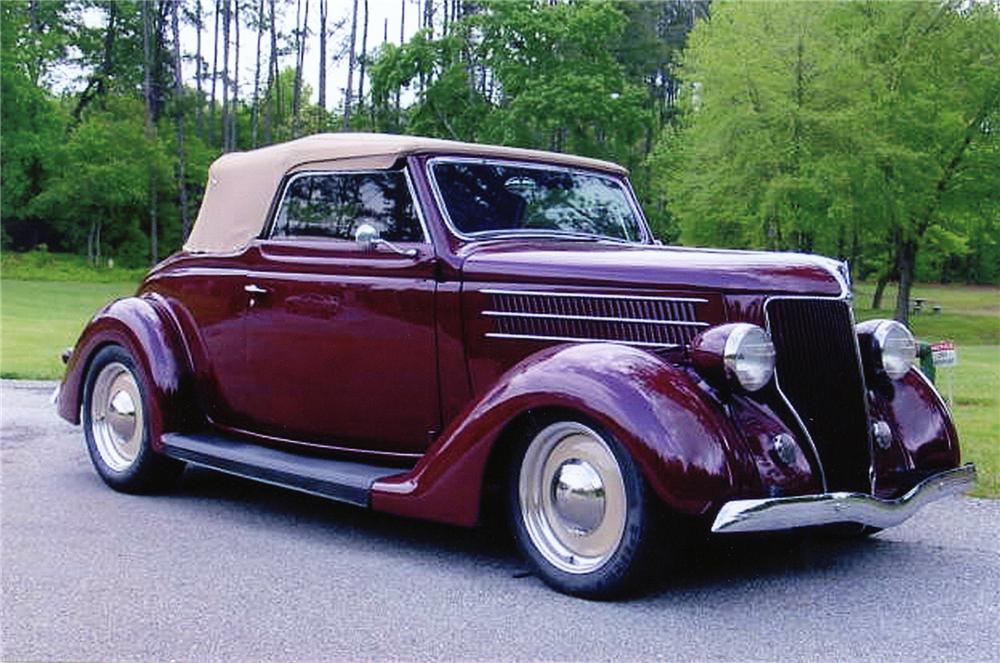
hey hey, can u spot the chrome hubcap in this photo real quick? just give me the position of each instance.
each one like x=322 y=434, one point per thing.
x=579 y=496
x=572 y=497
x=116 y=416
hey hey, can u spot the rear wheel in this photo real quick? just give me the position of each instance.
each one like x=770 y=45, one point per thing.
x=581 y=511
x=116 y=426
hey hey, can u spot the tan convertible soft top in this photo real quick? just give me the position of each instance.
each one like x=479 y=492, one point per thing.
x=241 y=185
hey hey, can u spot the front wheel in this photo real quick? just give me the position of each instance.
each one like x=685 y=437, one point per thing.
x=116 y=425
x=581 y=511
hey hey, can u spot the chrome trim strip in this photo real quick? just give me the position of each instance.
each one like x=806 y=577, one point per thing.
x=864 y=398
x=591 y=318
x=573 y=339
x=633 y=202
x=592 y=295
x=763 y=515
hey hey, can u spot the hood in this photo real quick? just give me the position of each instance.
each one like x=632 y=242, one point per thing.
x=606 y=264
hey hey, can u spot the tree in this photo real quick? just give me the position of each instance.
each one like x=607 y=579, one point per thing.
x=525 y=73
x=272 y=75
x=255 y=110
x=350 y=67
x=234 y=112
x=215 y=73
x=301 y=35
x=32 y=132
x=322 y=54
x=226 y=18
x=97 y=204
x=147 y=88
x=179 y=119
x=363 y=60
x=199 y=110
x=821 y=128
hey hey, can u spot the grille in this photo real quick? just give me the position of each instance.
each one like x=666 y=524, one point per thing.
x=818 y=370
x=644 y=321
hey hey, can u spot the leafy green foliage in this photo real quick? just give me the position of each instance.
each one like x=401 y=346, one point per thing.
x=851 y=129
x=526 y=73
x=861 y=130
x=115 y=186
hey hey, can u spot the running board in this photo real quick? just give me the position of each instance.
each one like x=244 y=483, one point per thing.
x=339 y=480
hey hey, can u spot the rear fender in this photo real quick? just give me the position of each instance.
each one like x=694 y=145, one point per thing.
x=680 y=438
x=144 y=327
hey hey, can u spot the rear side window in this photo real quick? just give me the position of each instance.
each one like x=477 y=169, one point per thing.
x=333 y=205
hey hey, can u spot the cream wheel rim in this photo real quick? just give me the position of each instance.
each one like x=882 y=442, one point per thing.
x=116 y=416
x=572 y=497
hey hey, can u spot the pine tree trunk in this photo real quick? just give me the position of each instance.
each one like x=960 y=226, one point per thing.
x=402 y=40
x=147 y=85
x=226 y=15
x=322 y=59
x=298 y=70
x=299 y=66
x=272 y=67
x=215 y=74
x=255 y=115
x=234 y=109
x=364 y=55
x=350 y=68
x=199 y=111
x=179 y=120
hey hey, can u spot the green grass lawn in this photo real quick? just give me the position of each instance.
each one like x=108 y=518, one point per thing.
x=38 y=318
x=976 y=408
x=970 y=315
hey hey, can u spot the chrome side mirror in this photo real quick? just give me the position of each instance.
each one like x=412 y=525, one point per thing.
x=366 y=236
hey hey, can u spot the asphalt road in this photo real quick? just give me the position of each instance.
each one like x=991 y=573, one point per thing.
x=225 y=569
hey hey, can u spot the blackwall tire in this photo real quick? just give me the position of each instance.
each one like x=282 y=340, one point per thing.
x=116 y=425
x=581 y=512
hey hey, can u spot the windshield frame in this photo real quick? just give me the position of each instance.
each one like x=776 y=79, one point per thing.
x=620 y=181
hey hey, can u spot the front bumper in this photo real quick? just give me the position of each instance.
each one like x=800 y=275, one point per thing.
x=780 y=513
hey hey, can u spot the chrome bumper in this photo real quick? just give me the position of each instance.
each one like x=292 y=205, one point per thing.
x=805 y=510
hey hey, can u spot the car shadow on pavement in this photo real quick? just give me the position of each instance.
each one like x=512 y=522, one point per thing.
x=278 y=508
x=711 y=564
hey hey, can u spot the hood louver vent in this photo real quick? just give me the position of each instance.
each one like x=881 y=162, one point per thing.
x=657 y=322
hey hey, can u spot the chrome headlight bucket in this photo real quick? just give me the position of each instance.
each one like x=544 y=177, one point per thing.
x=889 y=347
x=739 y=354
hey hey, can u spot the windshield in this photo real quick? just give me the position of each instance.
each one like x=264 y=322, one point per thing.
x=493 y=198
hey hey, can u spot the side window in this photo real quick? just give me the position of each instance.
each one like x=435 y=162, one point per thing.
x=333 y=205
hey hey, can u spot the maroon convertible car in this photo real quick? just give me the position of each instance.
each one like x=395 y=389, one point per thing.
x=430 y=328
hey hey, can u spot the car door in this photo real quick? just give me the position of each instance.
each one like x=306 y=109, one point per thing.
x=340 y=338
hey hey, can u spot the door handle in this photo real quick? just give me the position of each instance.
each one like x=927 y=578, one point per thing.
x=255 y=289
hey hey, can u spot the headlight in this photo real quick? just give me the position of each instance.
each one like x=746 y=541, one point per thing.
x=741 y=354
x=896 y=348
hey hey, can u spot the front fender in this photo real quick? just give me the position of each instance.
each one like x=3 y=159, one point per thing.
x=679 y=437
x=142 y=325
x=924 y=439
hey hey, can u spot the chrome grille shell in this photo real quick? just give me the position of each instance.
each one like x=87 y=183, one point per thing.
x=818 y=371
